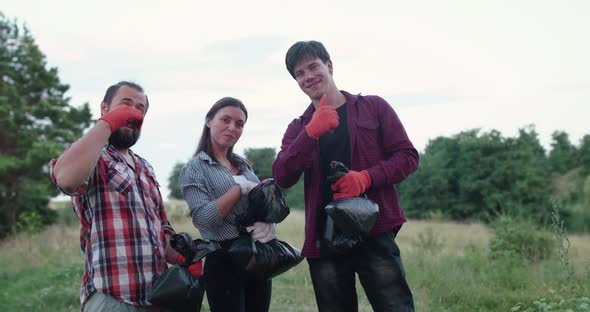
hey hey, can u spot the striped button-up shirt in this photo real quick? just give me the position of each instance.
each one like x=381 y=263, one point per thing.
x=378 y=144
x=122 y=226
x=202 y=181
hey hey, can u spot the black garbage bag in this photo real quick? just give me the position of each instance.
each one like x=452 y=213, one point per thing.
x=348 y=220
x=355 y=216
x=176 y=289
x=333 y=241
x=263 y=260
x=192 y=250
x=266 y=204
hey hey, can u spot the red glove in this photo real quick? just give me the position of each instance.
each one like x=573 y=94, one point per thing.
x=323 y=120
x=122 y=116
x=196 y=268
x=351 y=184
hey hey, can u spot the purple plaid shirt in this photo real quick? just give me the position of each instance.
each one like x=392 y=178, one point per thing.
x=378 y=144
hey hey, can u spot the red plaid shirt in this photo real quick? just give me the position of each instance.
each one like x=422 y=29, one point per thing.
x=122 y=225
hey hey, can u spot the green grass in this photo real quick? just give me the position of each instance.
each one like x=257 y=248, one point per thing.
x=447 y=265
x=42 y=289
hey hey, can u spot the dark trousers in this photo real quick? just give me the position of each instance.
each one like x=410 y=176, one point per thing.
x=229 y=291
x=379 y=267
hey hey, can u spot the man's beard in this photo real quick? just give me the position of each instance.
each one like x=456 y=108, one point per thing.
x=123 y=138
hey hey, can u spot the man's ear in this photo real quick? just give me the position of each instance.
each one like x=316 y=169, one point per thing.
x=330 y=67
x=104 y=108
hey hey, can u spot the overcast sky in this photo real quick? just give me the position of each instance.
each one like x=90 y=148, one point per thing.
x=444 y=66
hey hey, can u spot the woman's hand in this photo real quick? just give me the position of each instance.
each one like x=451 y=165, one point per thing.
x=245 y=185
x=262 y=232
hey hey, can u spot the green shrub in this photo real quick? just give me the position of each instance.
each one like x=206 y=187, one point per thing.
x=30 y=221
x=520 y=238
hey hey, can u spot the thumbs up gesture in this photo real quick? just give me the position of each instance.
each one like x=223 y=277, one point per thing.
x=324 y=119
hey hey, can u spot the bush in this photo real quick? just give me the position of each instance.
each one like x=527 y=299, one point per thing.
x=30 y=222
x=520 y=238
x=34 y=213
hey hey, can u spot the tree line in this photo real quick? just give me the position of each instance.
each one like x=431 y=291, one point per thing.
x=475 y=175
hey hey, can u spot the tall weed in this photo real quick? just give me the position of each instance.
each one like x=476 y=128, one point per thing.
x=572 y=292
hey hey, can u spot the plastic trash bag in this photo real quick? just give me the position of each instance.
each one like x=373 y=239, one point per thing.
x=192 y=250
x=266 y=204
x=176 y=289
x=348 y=220
x=355 y=216
x=263 y=260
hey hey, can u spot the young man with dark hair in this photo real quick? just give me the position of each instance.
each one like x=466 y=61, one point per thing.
x=124 y=230
x=365 y=134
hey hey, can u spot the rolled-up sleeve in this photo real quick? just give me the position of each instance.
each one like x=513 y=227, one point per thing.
x=200 y=200
x=81 y=190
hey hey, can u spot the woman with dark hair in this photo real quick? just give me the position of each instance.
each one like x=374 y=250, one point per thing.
x=215 y=183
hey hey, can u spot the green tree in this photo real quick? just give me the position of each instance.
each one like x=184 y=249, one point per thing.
x=37 y=122
x=262 y=159
x=562 y=157
x=528 y=185
x=173 y=181
x=433 y=187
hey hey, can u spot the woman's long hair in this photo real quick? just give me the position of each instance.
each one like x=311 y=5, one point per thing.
x=205 y=141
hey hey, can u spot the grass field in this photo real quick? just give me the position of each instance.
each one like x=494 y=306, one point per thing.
x=447 y=265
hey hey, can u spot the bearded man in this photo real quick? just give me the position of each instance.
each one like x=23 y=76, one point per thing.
x=124 y=231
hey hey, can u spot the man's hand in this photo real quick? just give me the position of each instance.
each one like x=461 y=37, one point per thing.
x=122 y=116
x=262 y=232
x=245 y=185
x=323 y=120
x=196 y=269
x=351 y=184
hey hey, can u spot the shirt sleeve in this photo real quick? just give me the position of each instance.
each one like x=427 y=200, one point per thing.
x=296 y=154
x=402 y=157
x=201 y=202
x=81 y=190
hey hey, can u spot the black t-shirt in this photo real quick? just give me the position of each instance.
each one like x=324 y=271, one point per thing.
x=334 y=145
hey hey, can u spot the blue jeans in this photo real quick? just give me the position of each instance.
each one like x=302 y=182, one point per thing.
x=379 y=267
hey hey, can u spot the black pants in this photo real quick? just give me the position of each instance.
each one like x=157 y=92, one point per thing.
x=378 y=264
x=229 y=291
